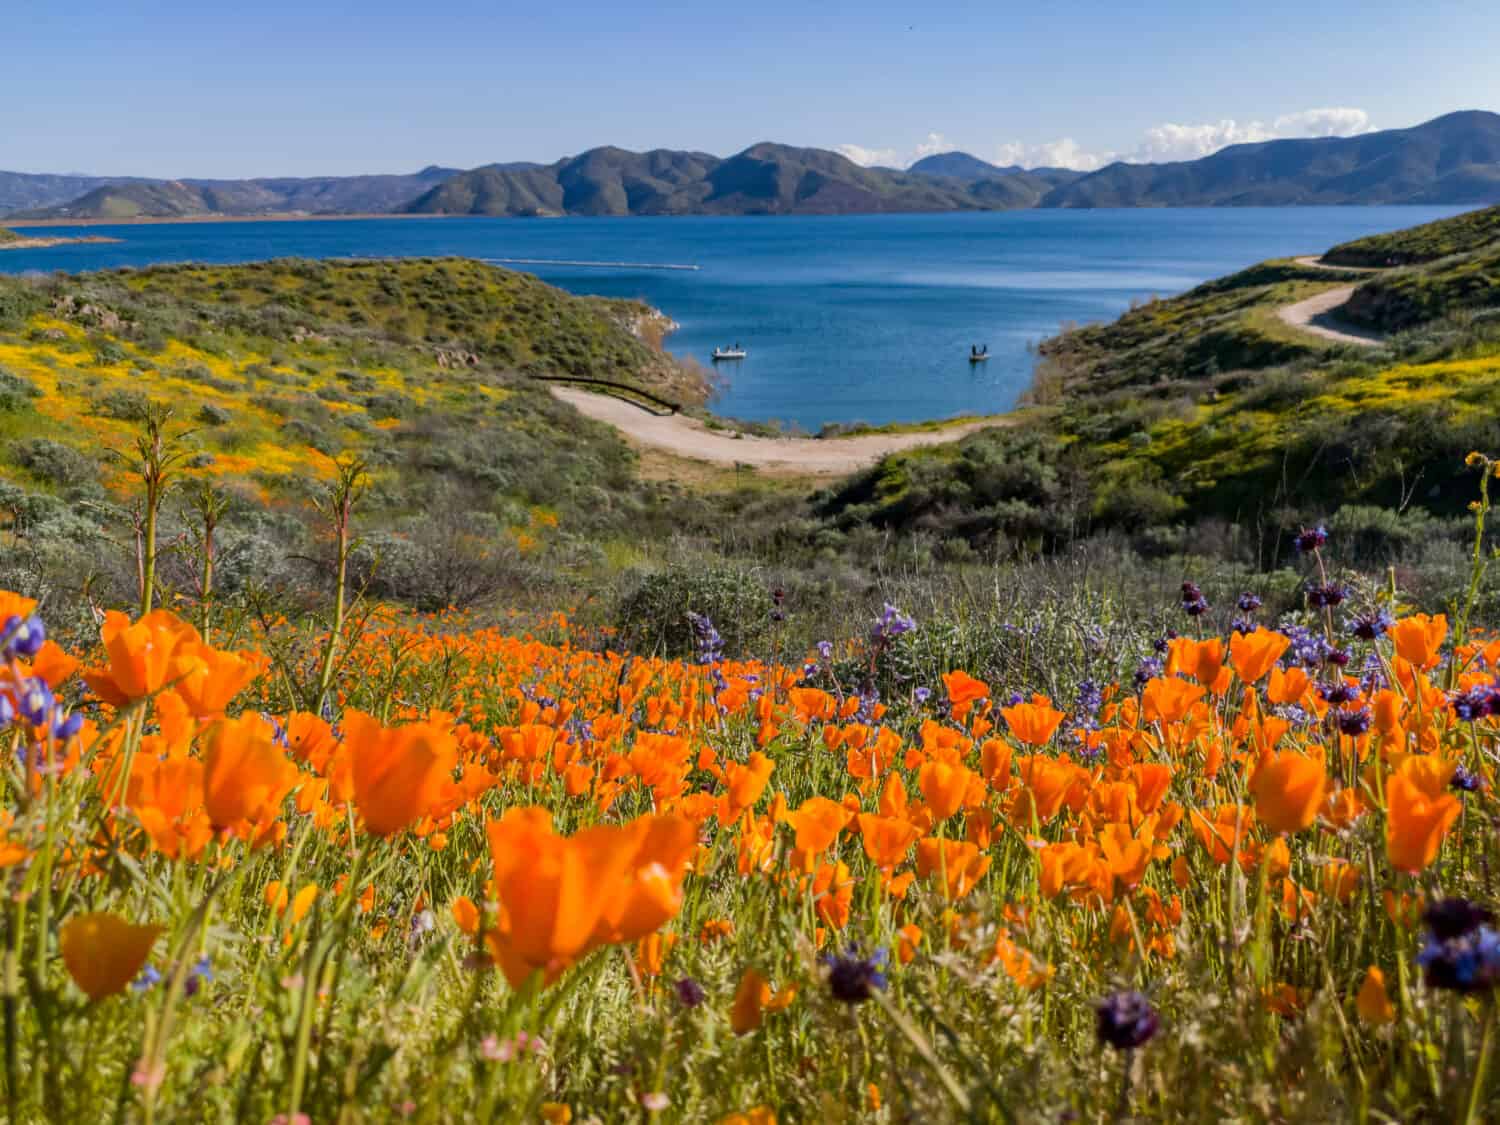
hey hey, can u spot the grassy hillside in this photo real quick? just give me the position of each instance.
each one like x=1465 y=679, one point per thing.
x=1462 y=234
x=421 y=368
x=1461 y=284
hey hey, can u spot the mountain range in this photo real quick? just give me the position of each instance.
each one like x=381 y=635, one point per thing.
x=1451 y=159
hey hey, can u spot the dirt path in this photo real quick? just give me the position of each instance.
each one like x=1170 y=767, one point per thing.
x=688 y=437
x=1312 y=261
x=1317 y=315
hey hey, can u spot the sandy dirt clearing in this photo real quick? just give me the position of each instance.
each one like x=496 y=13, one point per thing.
x=690 y=438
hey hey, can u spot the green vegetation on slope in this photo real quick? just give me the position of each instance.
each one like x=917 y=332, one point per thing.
x=1456 y=285
x=420 y=368
x=1462 y=234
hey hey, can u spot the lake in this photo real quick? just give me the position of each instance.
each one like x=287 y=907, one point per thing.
x=865 y=318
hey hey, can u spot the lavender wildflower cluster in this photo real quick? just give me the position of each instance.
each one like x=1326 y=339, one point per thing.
x=1194 y=604
x=708 y=645
x=30 y=699
x=891 y=624
x=853 y=979
x=1462 y=951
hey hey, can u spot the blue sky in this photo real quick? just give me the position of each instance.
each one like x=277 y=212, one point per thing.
x=302 y=87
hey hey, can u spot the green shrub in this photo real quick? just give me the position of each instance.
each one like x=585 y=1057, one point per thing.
x=653 y=616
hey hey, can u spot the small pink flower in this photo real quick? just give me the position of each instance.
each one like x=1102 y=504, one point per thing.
x=148 y=1078
x=655 y=1102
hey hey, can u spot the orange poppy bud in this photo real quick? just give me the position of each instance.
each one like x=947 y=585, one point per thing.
x=465 y=915
x=1289 y=789
x=103 y=953
x=1373 y=1004
x=750 y=998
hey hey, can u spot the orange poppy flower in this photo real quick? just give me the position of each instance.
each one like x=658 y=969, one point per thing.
x=1126 y=855
x=1417 y=820
x=140 y=655
x=206 y=679
x=651 y=894
x=1168 y=700
x=245 y=774
x=958 y=862
x=817 y=823
x=553 y=890
x=744 y=785
x=103 y=953
x=964 y=691
x=887 y=839
x=944 y=787
x=1419 y=638
x=1253 y=654
x=753 y=998
x=1227 y=828
x=994 y=760
x=1045 y=783
x=1289 y=789
x=833 y=894
x=1033 y=723
x=398 y=772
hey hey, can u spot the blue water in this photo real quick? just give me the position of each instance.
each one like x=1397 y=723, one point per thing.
x=856 y=318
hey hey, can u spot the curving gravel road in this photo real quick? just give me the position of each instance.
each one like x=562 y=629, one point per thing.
x=688 y=437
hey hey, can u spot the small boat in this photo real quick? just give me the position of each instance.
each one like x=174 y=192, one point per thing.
x=735 y=352
x=979 y=355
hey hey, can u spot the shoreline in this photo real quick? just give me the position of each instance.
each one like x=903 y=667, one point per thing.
x=44 y=243
x=154 y=220
x=310 y=216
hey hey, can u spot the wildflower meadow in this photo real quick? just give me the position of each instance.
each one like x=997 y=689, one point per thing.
x=376 y=866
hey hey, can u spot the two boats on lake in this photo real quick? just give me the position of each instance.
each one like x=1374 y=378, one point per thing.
x=977 y=353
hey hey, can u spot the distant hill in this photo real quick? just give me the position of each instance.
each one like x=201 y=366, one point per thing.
x=185 y=198
x=1451 y=159
x=962 y=166
x=764 y=179
x=20 y=191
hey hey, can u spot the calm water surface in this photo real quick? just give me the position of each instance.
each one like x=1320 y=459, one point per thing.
x=856 y=318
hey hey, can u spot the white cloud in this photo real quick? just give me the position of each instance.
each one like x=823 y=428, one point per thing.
x=1170 y=141
x=887 y=157
x=1062 y=153
x=1167 y=141
x=931 y=146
